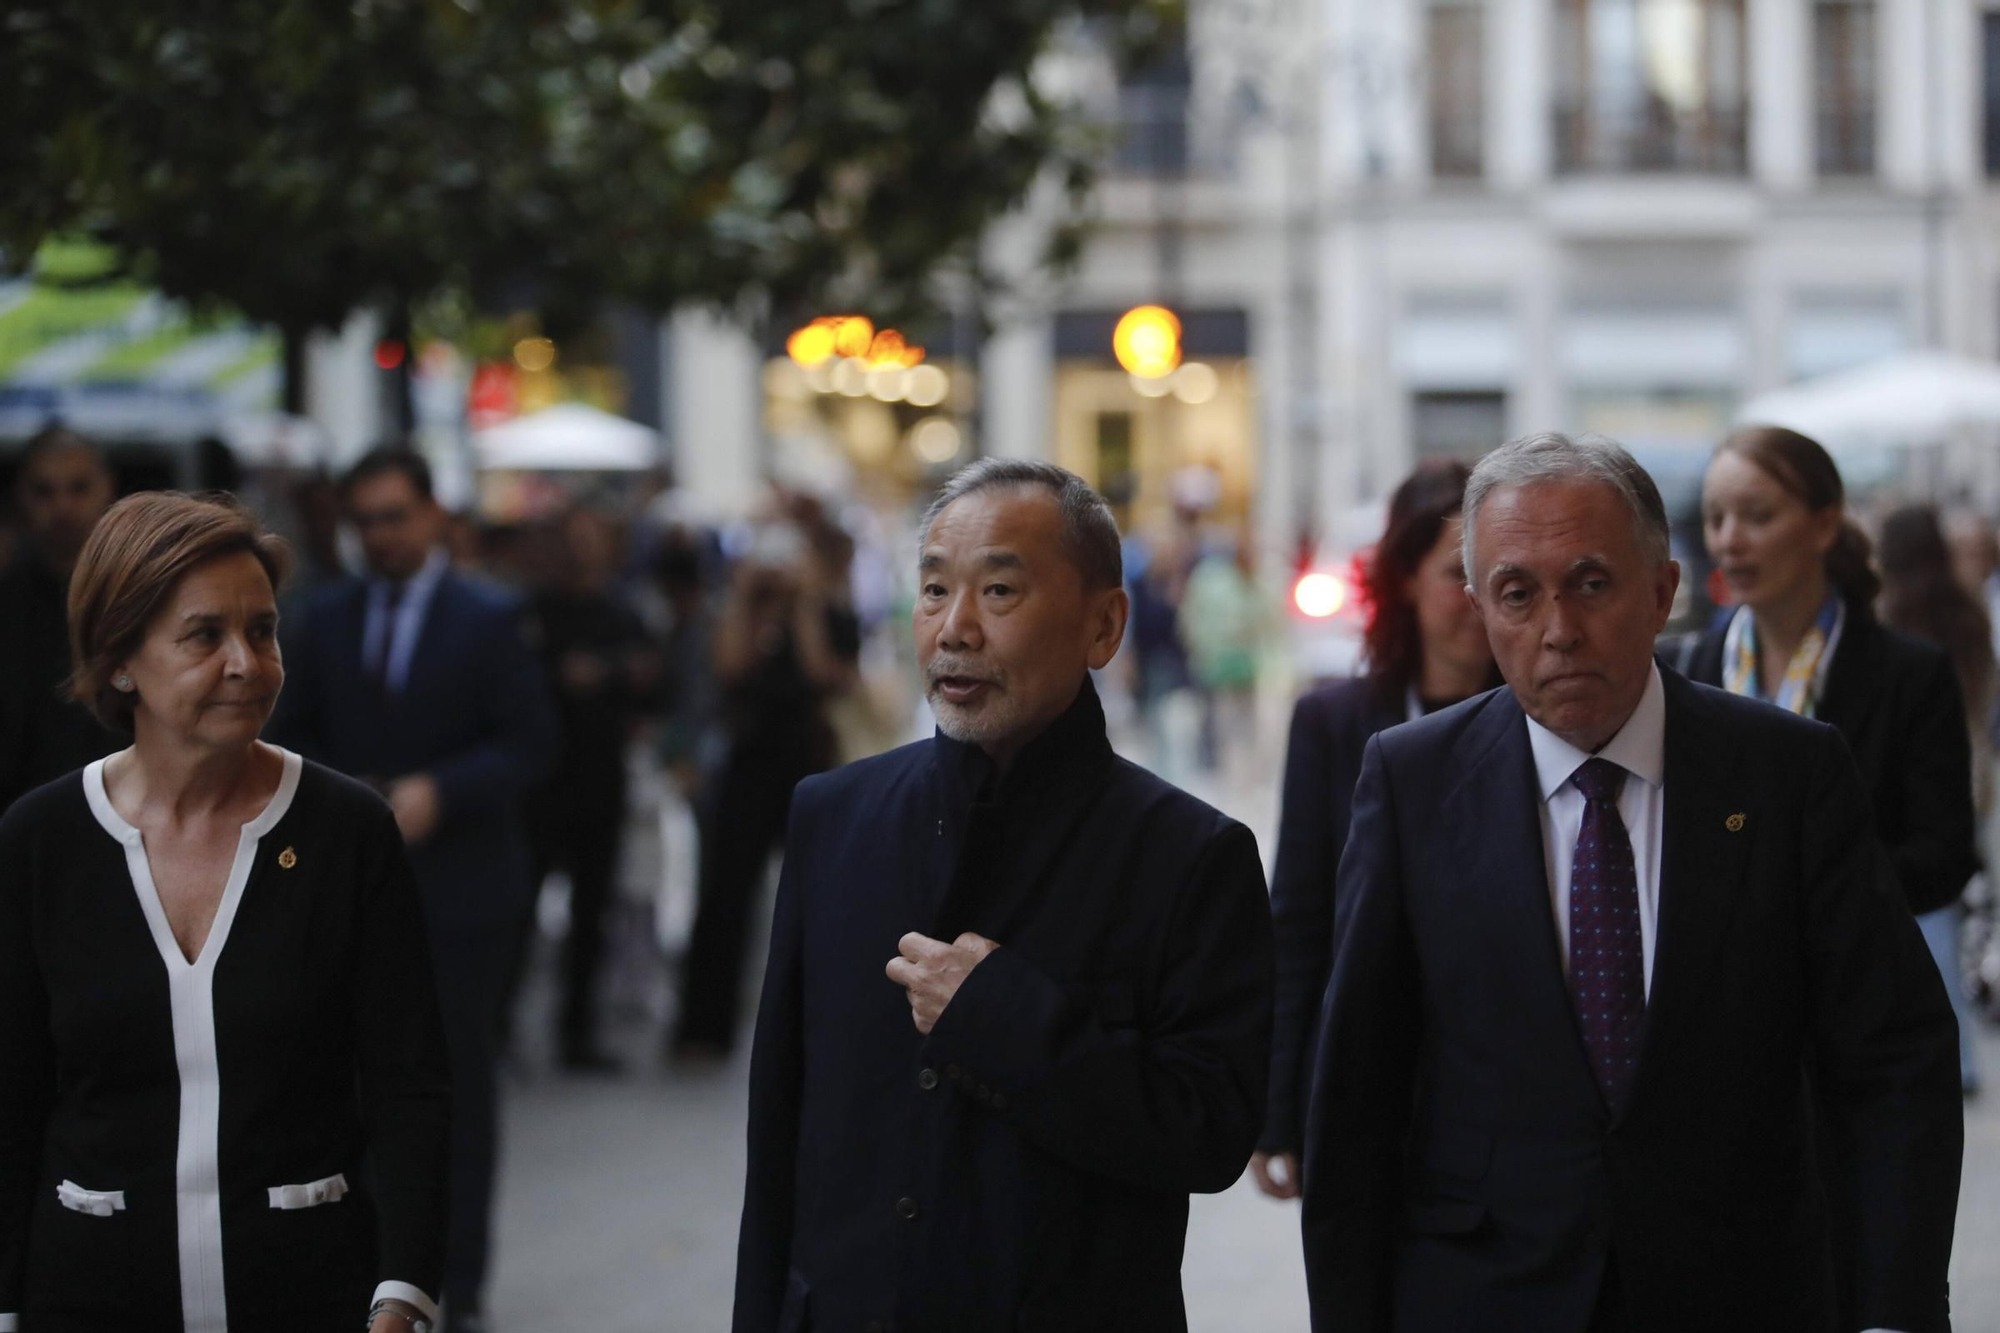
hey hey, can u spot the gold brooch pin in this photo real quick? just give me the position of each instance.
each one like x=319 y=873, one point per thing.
x=1734 y=823
x=289 y=858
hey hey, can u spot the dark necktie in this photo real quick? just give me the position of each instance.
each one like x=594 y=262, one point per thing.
x=385 y=647
x=1607 y=960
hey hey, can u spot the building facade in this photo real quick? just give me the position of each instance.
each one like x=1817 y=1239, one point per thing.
x=1397 y=229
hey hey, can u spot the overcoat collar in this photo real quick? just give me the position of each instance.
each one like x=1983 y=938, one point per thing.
x=1073 y=743
x=1001 y=843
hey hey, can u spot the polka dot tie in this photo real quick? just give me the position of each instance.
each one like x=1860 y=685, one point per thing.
x=1607 y=962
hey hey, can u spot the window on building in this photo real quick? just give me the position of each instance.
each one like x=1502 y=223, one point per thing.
x=1456 y=38
x=1457 y=424
x=1990 y=60
x=1844 y=86
x=1152 y=137
x=1651 y=86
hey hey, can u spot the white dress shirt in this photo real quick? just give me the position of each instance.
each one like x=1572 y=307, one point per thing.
x=1640 y=748
x=407 y=624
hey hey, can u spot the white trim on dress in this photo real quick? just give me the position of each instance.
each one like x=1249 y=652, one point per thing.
x=191 y=989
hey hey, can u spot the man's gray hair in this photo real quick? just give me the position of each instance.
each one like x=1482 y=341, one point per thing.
x=1553 y=456
x=1090 y=533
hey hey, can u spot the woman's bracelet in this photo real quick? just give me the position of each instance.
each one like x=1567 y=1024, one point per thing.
x=403 y=1310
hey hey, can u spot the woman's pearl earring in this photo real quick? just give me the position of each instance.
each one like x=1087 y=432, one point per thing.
x=123 y=682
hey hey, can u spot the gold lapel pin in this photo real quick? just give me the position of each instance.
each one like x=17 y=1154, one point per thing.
x=289 y=858
x=1734 y=823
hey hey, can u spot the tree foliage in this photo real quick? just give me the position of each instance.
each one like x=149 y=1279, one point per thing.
x=296 y=159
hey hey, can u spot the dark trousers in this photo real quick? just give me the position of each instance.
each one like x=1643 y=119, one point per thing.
x=583 y=839
x=472 y=962
x=1609 y=1317
x=742 y=822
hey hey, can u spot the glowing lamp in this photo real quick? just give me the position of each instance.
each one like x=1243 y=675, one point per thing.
x=1147 y=341
x=810 y=345
x=1319 y=595
x=853 y=336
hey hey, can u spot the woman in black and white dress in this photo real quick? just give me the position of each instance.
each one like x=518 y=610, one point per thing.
x=223 y=1100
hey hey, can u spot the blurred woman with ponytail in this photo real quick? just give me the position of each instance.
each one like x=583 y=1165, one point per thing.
x=1805 y=637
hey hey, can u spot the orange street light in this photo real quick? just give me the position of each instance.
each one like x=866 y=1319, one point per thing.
x=1147 y=341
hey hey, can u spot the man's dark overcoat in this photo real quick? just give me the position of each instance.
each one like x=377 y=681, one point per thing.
x=1027 y=1165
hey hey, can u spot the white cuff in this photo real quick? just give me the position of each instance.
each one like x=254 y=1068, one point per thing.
x=388 y=1291
x=10 y=1323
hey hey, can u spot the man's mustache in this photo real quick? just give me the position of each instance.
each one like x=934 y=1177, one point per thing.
x=941 y=667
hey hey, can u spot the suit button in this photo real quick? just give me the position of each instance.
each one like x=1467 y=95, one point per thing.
x=954 y=1073
x=927 y=1079
x=906 y=1209
x=984 y=1094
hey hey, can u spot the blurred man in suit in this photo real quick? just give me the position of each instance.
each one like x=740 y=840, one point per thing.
x=63 y=488
x=419 y=680
x=1595 y=931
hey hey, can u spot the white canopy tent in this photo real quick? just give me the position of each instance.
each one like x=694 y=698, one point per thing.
x=569 y=437
x=1911 y=400
x=1924 y=420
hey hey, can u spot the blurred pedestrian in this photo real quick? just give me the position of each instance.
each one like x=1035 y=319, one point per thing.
x=1222 y=621
x=1425 y=649
x=1157 y=574
x=1074 y=1033
x=1975 y=561
x=786 y=643
x=166 y=1107
x=1805 y=637
x=418 y=680
x=1921 y=597
x=684 y=624
x=63 y=488
x=1600 y=932
x=605 y=673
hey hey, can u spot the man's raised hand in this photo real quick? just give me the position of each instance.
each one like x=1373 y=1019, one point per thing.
x=932 y=971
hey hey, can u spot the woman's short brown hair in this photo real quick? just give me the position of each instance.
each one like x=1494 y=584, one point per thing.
x=136 y=556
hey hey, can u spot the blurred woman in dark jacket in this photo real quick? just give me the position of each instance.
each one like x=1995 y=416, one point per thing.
x=1425 y=649
x=1921 y=596
x=1806 y=638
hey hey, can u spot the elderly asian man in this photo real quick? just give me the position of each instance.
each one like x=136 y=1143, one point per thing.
x=1018 y=1003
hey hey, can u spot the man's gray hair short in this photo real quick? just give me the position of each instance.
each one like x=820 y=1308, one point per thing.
x=1090 y=533
x=1553 y=456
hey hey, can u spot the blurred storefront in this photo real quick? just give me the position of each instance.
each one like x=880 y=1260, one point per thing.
x=1185 y=439
x=854 y=411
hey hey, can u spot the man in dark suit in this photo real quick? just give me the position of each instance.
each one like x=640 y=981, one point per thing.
x=64 y=487
x=1000 y=1128
x=1596 y=931
x=419 y=681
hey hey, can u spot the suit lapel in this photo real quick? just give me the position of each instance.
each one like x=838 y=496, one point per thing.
x=1706 y=834
x=1496 y=819
x=1846 y=702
